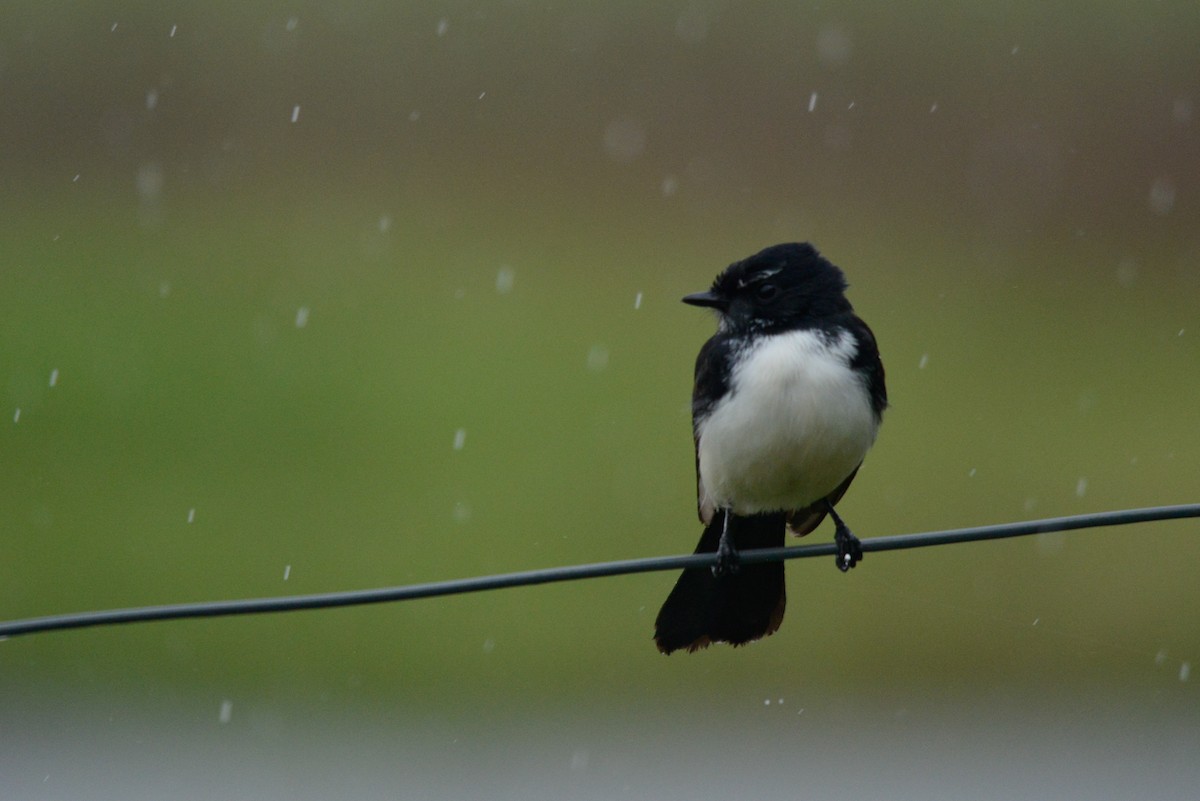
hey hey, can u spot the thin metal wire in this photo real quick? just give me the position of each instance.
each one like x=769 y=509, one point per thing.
x=527 y=578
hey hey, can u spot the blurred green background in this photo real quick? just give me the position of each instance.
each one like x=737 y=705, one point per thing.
x=299 y=298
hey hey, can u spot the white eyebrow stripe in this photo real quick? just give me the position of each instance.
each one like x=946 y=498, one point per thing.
x=763 y=276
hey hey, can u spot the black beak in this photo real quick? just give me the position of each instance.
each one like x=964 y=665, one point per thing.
x=709 y=299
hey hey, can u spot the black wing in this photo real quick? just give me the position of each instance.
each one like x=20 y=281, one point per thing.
x=868 y=362
x=712 y=382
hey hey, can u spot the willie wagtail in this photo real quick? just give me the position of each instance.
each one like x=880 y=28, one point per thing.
x=788 y=398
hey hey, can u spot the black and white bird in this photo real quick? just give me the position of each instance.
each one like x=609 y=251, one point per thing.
x=788 y=398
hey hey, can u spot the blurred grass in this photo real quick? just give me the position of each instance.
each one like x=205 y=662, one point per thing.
x=184 y=383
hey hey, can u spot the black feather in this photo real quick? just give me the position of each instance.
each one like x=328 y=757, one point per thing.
x=735 y=608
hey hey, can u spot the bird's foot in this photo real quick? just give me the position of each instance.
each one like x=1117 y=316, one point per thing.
x=849 y=549
x=728 y=559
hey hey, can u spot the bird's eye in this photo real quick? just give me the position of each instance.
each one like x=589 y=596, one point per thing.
x=766 y=292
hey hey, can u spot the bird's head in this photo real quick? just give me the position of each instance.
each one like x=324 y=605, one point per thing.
x=782 y=287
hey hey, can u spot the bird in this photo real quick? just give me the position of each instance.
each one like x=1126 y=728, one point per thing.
x=788 y=398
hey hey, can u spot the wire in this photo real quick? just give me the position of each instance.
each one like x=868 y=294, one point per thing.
x=411 y=592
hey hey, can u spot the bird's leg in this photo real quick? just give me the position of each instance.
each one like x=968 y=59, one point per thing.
x=727 y=555
x=849 y=549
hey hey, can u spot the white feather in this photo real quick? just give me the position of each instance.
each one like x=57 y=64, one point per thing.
x=795 y=423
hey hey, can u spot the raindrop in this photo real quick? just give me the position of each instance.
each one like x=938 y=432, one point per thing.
x=17 y=415
x=149 y=181
x=385 y=222
x=301 y=316
x=1185 y=670
x=413 y=116
x=113 y=29
x=933 y=108
x=164 y=289
x=1181 y=110
x=226 y=713
x=924 y=361
x=443 y=26
x=669 y=186
x=489 y=645
x=834 y=47
x=504 y=279
x=597 y=358
x=1081 y=487
x=812 y=101
x=76 y=178
x=971 y=473
x=766 y=702
x=291 y=24
x=173 y=29
x=624 y=140
x=637 y=301
x=462 y=512
x=54 y=376
x=287 y=572
x=1127 y=272
x=151 y=99
x=1162 y=196
x=1160 y=657
x=295 y=112
x=192 y=515
x=460 y=439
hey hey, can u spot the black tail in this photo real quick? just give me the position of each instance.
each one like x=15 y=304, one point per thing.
x=734 y=608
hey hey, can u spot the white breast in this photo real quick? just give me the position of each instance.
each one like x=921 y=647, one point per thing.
x=795 y=424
